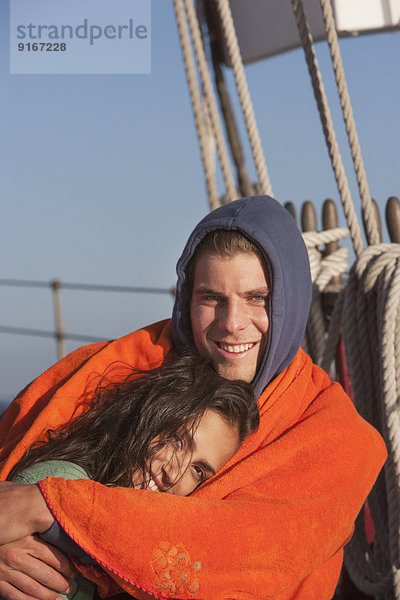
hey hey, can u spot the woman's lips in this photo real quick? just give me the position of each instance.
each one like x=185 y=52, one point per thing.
x=154 y=484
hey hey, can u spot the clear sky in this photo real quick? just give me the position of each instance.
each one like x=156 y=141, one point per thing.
x=101 y=179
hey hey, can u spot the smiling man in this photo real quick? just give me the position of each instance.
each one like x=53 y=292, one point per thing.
x=271 y=523
x=229 y=306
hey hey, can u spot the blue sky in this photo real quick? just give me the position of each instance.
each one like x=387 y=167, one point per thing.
x=101 y=180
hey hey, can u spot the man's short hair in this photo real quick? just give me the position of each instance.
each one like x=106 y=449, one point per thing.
x=225 y=243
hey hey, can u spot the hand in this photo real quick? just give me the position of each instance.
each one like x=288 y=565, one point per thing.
x=23 y=511
x=29 y=567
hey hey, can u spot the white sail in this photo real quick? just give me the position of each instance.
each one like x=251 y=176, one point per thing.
x=267 y=27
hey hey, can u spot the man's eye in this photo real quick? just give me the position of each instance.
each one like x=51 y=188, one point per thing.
x=260 y=299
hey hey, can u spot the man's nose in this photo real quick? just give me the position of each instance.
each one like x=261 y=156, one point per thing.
x=232 y=316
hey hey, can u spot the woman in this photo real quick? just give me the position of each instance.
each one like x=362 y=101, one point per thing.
x=169 y=431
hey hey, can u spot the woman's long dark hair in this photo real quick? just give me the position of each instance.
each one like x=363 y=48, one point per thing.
x=113 y=438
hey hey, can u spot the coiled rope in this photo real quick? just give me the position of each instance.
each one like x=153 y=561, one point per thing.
x=323 y=269
x=368 y=311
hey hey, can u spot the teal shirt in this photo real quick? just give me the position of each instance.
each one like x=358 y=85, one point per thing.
x=82 y=588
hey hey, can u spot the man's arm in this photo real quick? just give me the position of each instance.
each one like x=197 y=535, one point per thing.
x=29 y=568
x=23 y=511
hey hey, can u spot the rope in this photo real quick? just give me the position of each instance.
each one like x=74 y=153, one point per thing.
x=327 y=125
x=314 y=238
x=195 y=97
x=368 y=310
x=210 y=100
x=315 y=331
x=245 y=185
x=333 y=265
x=323 y=269
x=244 y=95
x=368 y=212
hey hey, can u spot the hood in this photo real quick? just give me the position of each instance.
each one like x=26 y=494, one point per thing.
x=264 y=221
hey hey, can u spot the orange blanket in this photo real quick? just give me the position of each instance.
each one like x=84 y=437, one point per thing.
x=272 y=524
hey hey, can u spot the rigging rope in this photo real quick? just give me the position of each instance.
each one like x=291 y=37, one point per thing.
x=327 y=125
x=244 y=96
x=368 y=211
x=210 y=100
x=197 y=107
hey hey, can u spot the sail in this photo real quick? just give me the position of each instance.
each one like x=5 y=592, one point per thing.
x=268 y=27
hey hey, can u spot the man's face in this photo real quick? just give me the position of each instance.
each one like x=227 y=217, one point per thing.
x=229 y=313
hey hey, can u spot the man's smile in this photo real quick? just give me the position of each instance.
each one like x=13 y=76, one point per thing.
x=229 y=312
x=236 y=348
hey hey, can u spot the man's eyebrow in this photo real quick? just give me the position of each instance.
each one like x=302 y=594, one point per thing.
x=206 y=290
x=259 y=291
x=264 y=290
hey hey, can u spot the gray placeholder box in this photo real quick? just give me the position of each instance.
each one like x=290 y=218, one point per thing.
x=80 y=37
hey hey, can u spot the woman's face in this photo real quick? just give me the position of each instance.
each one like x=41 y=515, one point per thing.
x=178 y=469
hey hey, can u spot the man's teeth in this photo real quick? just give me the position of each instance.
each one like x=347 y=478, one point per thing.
x=236 y=349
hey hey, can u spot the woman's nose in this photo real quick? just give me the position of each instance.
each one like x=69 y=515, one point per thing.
x=184 y=484
x=172 y=470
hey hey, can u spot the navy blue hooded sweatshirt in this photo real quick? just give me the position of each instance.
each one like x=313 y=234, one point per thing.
x=270 y=227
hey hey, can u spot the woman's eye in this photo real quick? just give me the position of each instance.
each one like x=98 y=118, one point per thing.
x=178 y=442
x=201 y=476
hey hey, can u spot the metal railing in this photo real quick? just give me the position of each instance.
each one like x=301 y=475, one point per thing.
x=309 y=223
x=59 y=334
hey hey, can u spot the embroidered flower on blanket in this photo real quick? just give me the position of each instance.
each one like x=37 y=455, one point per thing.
x=175 y=572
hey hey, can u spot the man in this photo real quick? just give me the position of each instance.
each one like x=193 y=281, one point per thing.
x=272 y=523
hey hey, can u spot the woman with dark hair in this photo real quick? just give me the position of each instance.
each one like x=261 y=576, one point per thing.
x=168 y=430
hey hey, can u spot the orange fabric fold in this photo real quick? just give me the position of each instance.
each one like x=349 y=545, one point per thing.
x=271 y=524
x=54 y=398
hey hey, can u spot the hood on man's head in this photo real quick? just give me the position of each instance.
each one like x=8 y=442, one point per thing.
x=266 y=223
